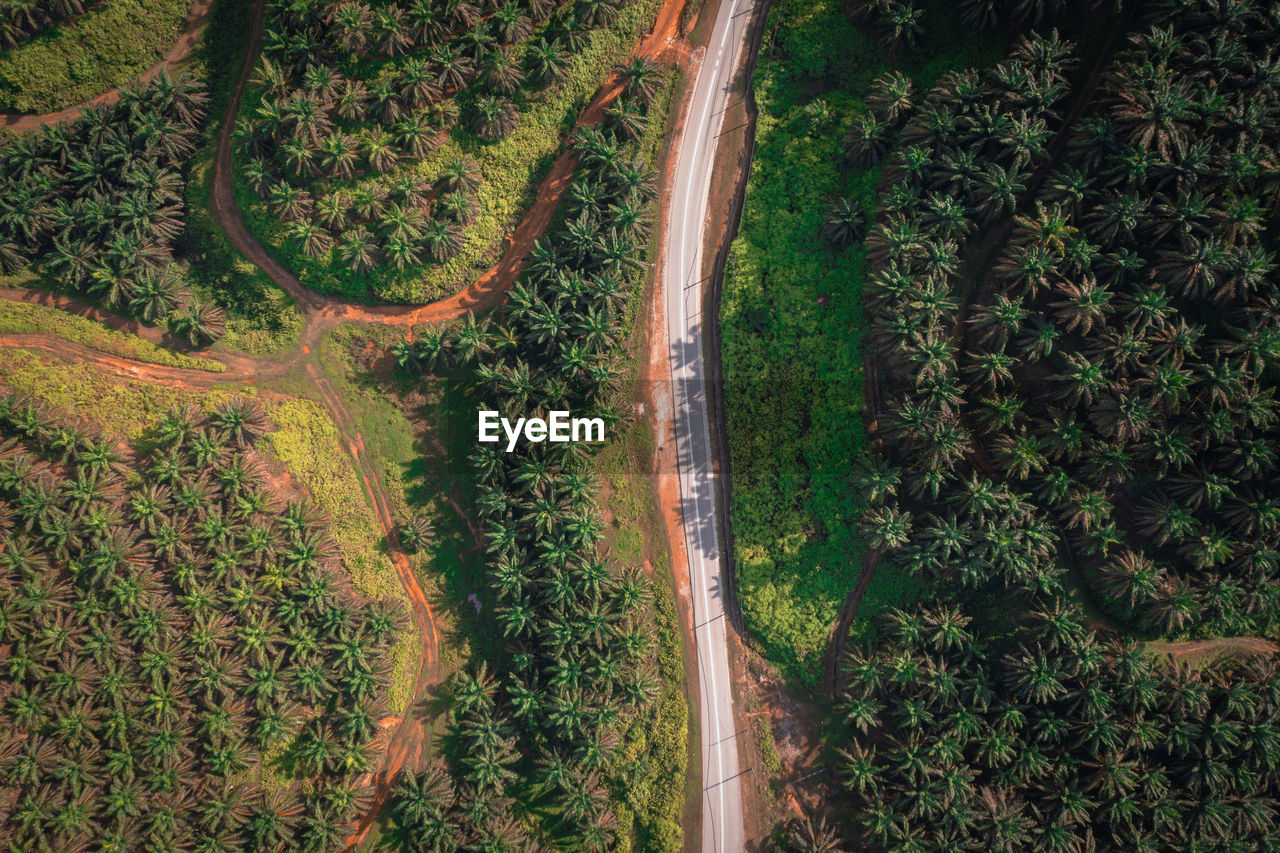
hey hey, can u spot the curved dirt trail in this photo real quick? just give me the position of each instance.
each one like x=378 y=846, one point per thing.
x=178 y=54
x=322 y=313
x=1216 y=648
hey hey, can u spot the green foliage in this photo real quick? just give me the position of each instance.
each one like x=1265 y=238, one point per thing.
x=510 y=170
x=309 y=445
x=20 y=318
x=106 y=47
x=793 y=332
x=208 y=616
x=1044 y=448
x=649 y=785
x=97 y=201
x=886 y=590
x=261 y=318
x=575 y=673
x=120 y=406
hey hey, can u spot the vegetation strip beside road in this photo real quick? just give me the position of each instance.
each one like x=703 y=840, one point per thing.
x=32 y=62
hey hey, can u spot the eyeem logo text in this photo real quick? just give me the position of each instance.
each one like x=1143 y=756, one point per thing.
x=558 y=427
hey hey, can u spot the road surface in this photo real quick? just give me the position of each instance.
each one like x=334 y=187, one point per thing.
x=722 y=827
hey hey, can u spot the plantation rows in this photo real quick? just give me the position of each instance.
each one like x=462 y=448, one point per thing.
x=98 y=203
x=1055 y=740
x=352 y=97
x=1114 y=360
x=185 y=669
x=1073 y=313
x=543 y=728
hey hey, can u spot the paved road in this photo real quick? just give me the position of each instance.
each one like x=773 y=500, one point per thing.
x=722 y=830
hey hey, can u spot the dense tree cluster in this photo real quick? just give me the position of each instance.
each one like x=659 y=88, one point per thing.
x=900 y=24
x=164 y=628
x=1052 y=740
x=351 y=93
x=579 y=654
x=98 y=201
x=1073 y=300
x=1097 y=334
x=21 y=19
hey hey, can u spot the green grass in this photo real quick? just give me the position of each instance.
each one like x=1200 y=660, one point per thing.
x=511 y=169
x=102 y=49
x=122 y=406
x=793 y=333
x=20 y=318
x=422 y=462
x=309 y=445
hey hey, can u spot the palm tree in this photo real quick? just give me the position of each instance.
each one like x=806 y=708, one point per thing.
x=453 y=67
x=597 y=13
x=202 y=322
x=500 y=72
x=626 y=119
x=442 y=240
x=461 y=13
x=812 y=836
x=889 y=99
x=157 y=293
x=457 y=206
x=242 y=419
x=845 y=223
x=866 y=143
x=390 y=32
x=338 y=155
x=380 y=151
x=358 y=249
x=351 y=101
x=312 y=238
x=494 y=118
x=459 y=173
x=548 y=60
x=416 y=134
x=511 y=23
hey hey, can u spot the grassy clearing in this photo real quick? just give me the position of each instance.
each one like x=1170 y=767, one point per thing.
x=409 y=439
x=102 y=49
x=309 y=445
x=511 y=169
x=793 y=328
x=121 y=406
x=20 y=318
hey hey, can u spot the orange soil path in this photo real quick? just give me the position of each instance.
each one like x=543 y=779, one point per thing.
x=1248 y=646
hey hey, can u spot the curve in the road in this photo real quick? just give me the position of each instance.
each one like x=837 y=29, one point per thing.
x=723 y=828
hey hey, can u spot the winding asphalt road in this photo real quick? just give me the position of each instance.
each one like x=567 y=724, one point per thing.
x=722 y=818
